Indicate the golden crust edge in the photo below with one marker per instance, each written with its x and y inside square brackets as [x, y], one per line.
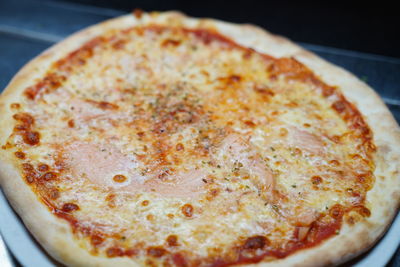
[332, 251]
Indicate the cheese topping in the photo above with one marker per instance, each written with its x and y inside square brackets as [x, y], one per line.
[175, 145]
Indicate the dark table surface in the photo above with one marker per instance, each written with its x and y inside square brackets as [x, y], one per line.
[27, 27]
[355, 25]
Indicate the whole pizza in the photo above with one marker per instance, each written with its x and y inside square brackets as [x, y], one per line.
[155, 139]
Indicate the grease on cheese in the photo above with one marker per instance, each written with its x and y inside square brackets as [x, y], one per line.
[217, 145]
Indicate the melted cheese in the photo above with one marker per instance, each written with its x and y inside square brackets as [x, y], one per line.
[208, 140]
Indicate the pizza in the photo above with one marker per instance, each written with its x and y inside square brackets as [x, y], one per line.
[155, 139]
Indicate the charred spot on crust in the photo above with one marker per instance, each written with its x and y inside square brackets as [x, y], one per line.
[96, 240]
[172, 241]
[30, 177]
[29, 172]
[250, 123]
[187, 210]
[316, 180]
[68, 207]
[103, 104]
[20, 128]
[179, 147]
[15, 106]
[339, 106]
[25, 118]
[119, 178]
[255, 242]
[264, 90]
[170, 42]
[48, 176]
[50, 82]
[31, 138]
[54, 193]
[336, 211]
[20, 154]
[27, 167]
[362, 210]
[24, 129]
[114, 252]
[43, 167]
[119, 44]
[71, 123]
[156, 252]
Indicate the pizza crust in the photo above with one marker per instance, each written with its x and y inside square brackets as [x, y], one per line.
[54, 234]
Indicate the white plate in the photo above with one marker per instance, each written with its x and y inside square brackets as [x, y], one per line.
[29, 253]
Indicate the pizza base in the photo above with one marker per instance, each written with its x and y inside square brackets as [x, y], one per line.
[54, 233]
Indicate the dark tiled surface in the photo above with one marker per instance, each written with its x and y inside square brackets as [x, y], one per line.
[51, 18]
[395, 262]
[354, 25]
[15, 51]
[26, 29]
